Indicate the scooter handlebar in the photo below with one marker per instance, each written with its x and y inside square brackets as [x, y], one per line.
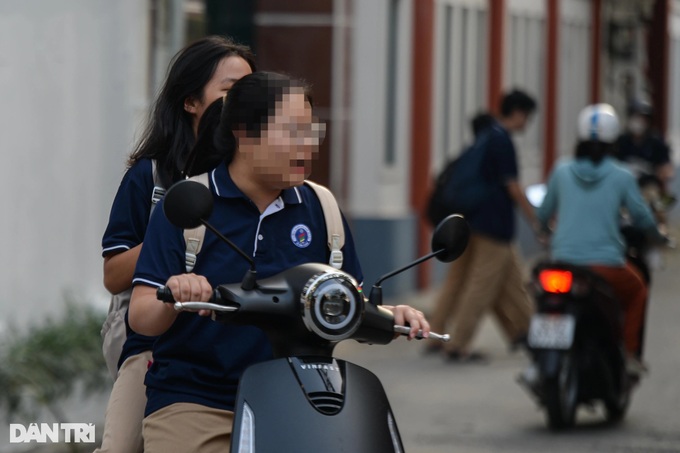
[165, 294]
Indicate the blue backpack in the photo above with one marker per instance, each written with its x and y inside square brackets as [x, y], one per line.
[461, 187]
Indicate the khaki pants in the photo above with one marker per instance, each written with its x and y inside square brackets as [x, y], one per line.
[188, 428]
[125, 410]
[487, 276]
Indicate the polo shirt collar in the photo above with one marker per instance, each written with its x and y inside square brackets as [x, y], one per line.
[226, 188]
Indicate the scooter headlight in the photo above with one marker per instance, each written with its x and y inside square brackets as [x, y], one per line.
[332, 305]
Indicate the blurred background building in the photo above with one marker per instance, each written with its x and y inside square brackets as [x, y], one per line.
[396, 80]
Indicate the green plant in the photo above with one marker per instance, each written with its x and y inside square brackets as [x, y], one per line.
[43, 366]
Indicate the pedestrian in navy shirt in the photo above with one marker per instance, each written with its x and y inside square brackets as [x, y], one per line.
[488, 275]
[198, 75]
[270, 137]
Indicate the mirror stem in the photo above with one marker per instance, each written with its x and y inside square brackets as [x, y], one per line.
[249, 280]
[409, 266]
[231, 244]
[375, 297]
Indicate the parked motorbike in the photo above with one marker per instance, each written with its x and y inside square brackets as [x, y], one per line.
[305, 399]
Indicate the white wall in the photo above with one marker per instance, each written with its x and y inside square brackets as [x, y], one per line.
[525, 63]
[460, 75]
[673, 134]
[378, 189]
[73, 84]
[573, 70]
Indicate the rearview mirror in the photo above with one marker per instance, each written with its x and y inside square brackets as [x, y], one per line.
[450, 238]
[187, 204]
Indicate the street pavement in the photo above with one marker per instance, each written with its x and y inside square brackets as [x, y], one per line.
[479, 408]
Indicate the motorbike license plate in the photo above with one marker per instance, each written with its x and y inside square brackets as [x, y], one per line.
[551, 331]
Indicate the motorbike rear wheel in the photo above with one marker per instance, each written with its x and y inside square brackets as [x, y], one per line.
[561, 394]
[617, 406]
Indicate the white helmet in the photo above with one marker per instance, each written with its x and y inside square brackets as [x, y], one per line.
[598, 122]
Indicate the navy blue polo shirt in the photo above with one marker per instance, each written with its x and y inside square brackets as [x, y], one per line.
[126, 229]
[198, 360]
[495, 217]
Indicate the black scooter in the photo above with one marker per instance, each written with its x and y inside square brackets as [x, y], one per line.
[305, 399]
[576, 343]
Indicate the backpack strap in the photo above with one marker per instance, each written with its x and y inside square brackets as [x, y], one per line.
[158, 189]
[194, 237]
[336, 231]
[334, 226]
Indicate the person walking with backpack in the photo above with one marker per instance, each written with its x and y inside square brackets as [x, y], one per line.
[488, 275]
[199, 74]
[269, 136]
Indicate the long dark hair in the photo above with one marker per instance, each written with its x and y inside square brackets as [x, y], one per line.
[248, 105]
[169, 135]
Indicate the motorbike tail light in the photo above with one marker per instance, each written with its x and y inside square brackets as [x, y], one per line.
[556, 281]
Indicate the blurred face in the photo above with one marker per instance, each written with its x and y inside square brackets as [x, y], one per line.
[282, 156]
[637, 124]
[519, 119]
[228, 71]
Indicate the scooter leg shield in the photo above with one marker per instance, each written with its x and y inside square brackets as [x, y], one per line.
[287, 405]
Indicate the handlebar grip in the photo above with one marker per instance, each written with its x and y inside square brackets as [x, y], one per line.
[164, 294]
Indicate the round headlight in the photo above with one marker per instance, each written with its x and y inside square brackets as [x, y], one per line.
[332, 305]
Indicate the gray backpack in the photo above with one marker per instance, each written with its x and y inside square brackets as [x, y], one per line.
[114, 332]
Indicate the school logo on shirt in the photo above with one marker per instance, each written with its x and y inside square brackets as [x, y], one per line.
[301, 236]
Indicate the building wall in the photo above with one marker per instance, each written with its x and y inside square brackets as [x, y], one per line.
[460, 73]
[74, 86]
[296, 38]
[573, 70]
[623, 54]
[673, 133]
[525, 63]
[461, 53]
[379, 136]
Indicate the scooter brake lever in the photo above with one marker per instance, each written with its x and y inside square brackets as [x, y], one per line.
[181, 306]
[404, 330]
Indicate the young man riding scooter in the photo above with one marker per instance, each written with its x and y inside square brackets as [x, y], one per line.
[586, 197]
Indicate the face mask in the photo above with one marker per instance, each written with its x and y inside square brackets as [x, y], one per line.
[637, 125]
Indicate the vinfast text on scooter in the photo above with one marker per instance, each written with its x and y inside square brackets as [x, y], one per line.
[305, 399]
